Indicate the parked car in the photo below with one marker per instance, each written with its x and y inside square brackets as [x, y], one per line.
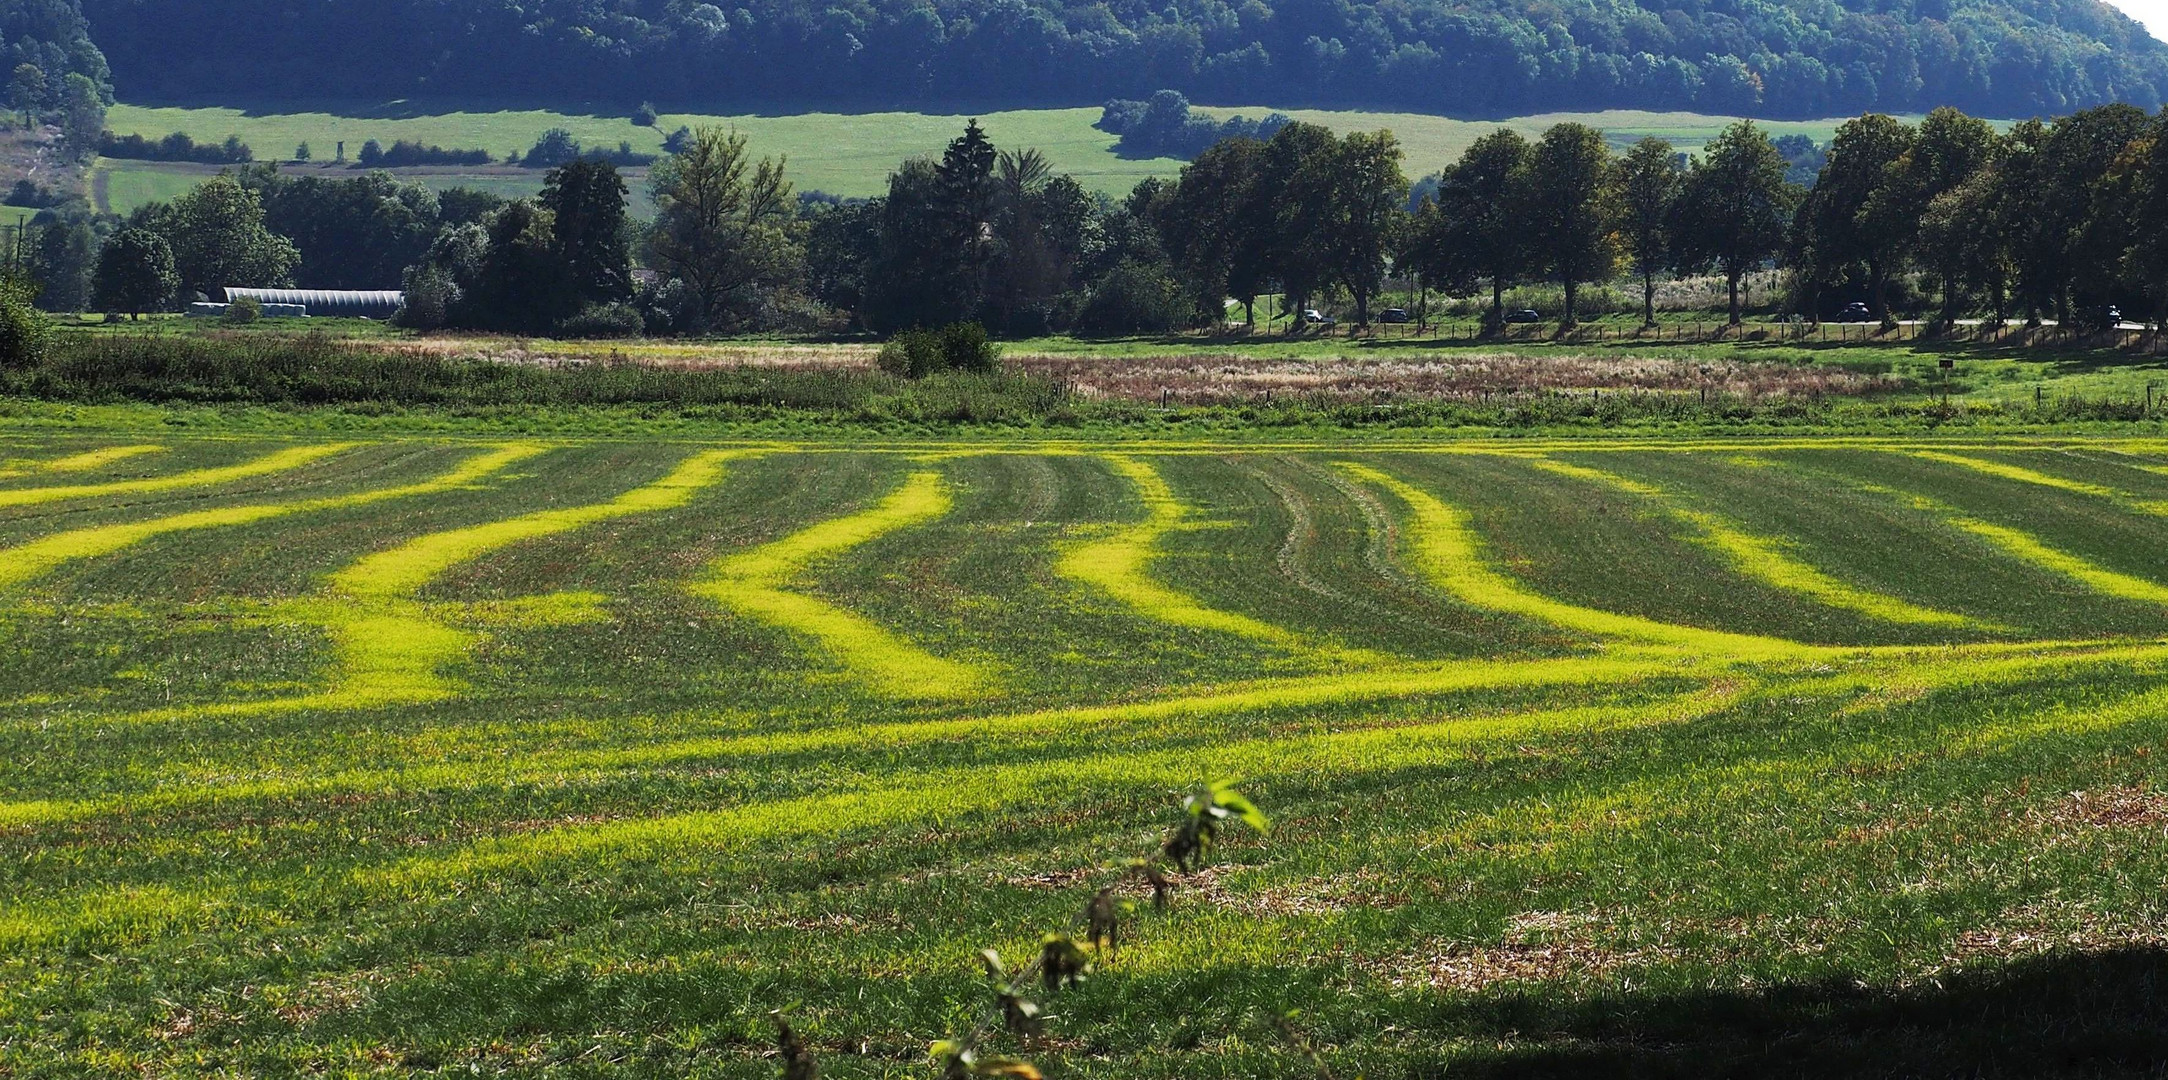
[1316, 318]
[1394, 315]
[1524, 315]
[2115, 316]
[1855, 312]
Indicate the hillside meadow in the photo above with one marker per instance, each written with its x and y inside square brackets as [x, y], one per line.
[578, 756]
[848, 155]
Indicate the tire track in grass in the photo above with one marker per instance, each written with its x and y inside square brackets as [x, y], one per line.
[1445, 547]
[2154, 507]
[1118, 566]
[25, 561]
[276, 462]
[390, 646]
[83, 462]
[1765, 559]
[757, 583]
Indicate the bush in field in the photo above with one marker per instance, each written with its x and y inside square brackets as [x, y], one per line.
[915, 354]
[23, 329]
[616, 320]
[243, 311]
[644, 116]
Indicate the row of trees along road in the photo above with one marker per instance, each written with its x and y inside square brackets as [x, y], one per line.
[2067, 218]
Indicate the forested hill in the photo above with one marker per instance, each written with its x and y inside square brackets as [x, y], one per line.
[1775, 58]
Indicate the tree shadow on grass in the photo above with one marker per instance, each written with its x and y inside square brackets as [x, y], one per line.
[2063, 1015]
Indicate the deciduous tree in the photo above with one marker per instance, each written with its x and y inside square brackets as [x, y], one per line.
[1734, 206]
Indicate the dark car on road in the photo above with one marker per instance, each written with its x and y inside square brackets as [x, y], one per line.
[1394, 315]
[1855, 312]
[1524, 315]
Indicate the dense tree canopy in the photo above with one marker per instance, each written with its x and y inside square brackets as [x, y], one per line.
[2006, 58]
[51, 38]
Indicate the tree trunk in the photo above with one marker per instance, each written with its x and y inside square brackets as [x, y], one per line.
[1875, 284]
[1648, 299]
[1497, 302]
[1731, 283]
[1566, 323]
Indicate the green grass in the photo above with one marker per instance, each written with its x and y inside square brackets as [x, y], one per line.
[843, 154]
[577, 755]
[120, 187]
[849, 155]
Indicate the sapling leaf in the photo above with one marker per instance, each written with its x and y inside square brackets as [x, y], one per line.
[1103, 921]
[1062, 961]
[798, 1063]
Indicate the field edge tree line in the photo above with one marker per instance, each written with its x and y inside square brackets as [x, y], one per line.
[2064, 220]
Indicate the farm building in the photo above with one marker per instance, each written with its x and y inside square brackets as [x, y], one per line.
[327, 303]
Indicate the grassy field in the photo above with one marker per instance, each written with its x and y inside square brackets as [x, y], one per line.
[848, 155]
[576, 757]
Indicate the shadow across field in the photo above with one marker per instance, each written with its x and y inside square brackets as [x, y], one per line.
[2062, 1015]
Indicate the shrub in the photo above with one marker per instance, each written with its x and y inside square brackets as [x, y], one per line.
[964, 348]
[243, 311]
[915, 354]
[605, 321]
[644, 116]
[24, 332]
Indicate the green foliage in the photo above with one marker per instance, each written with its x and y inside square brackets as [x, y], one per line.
[24, 331]
[1135, 298]
[1568, 210]
[2005, 57]
[1648, 180]
[724, 227]
[243, 311]
[135, 273]
[218, 239]
[1734, 207]
[586, 202]
[960, 347]
[1208, 810]
[614, 320]
[63, 263]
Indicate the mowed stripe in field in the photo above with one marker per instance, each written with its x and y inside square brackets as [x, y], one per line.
[25, 561]
[1119, 565]
[84, 462]
[390, 647]
[1765, 558]
[275, 462]
[952, 798]
[2006, 471]
[757, 583]
[1445, 547]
